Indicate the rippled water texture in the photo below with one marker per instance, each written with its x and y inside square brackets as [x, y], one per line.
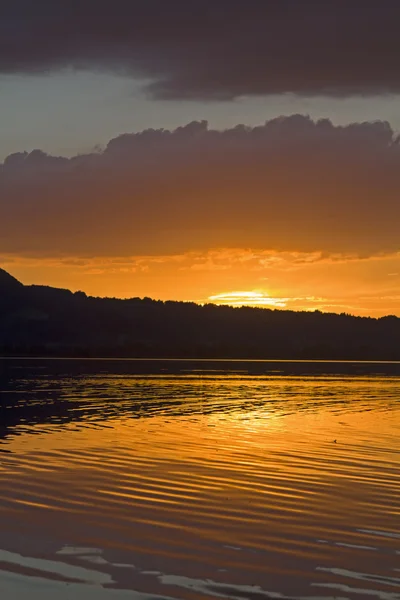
[199, 480]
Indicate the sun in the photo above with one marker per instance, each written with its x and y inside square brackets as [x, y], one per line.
[252, 298]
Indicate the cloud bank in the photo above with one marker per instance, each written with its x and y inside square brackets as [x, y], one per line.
[209, 49]
[291, 184]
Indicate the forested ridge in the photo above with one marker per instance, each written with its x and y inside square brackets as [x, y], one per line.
[43, 321]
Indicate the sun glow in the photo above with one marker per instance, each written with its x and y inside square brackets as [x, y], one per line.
[254, 298]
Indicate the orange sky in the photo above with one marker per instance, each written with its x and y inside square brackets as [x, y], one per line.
[288, 280]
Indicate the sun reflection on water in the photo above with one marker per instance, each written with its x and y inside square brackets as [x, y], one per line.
[282, 483]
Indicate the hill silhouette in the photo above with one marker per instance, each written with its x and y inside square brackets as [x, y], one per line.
[8, 282]
[44, 321]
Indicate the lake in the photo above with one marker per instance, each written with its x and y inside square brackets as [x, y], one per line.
[199, 480]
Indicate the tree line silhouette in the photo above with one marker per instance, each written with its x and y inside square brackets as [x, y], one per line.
[45, 321]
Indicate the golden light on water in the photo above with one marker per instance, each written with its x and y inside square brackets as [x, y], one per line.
[186, 478]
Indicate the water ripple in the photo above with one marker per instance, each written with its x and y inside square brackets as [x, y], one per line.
[200, 486]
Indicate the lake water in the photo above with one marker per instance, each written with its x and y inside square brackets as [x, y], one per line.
[199, 480]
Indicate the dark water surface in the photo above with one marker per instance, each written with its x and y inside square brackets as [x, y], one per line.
[199, 480]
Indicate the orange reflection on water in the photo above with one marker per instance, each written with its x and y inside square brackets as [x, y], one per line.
[264, 478]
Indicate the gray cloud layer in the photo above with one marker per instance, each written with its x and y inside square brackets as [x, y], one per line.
[212, 48]
[291, 184]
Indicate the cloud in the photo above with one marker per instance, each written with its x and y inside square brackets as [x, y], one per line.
[291, 184]
[209, 49]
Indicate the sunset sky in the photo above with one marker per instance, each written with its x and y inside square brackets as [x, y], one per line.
[209, 150]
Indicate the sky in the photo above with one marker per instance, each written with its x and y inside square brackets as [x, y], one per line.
[234, 152]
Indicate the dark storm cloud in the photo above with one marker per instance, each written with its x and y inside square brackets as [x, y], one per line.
[215, 49]
[291, 184]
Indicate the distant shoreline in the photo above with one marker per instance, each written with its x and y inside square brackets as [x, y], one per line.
[169, 359]
[40, 321]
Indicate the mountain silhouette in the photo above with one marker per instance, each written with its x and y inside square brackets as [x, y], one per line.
[44, 321]
[8, 282]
